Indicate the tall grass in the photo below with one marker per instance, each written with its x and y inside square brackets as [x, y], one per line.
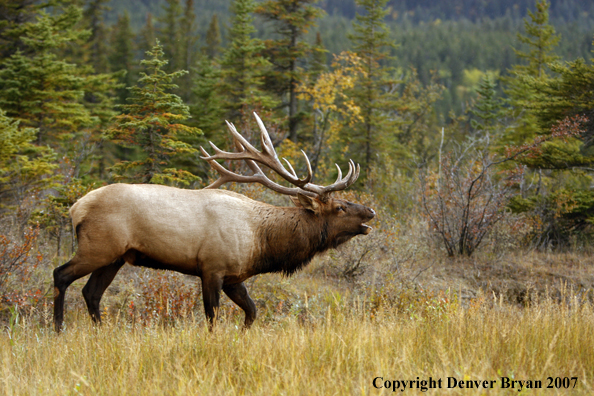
[338, 353]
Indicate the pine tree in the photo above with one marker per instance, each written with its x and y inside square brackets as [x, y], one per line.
[213, 38]
[242, 68]
[567, 93]
[319, 58]
[93, 19]
[207, 107]
[23, 165]
[292, 19]
[121, 57]
[147, 37]
[170, 35]
[42, 91]
[14, 16]
[545, 93]
[488, 110]
[152, 122]
[371, 42]
[189, 50]
[540, 39]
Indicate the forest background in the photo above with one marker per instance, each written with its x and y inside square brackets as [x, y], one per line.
[462, 115]
[473, 124]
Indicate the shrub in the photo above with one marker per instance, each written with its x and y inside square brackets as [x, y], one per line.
[18, 259]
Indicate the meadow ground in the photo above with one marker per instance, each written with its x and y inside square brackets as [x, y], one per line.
[318, 334]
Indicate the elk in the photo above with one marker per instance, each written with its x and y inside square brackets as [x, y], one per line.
[221, 236]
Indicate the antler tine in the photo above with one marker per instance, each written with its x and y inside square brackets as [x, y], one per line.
[309, 176]
[267, 145]
[237, 137]
[339, 178]
[340, 183]
[309, 170]
[290, 167]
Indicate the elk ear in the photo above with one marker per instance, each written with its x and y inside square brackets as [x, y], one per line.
[306, 202]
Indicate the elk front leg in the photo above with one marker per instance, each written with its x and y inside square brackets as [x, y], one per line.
[239, 295]
[211, 292]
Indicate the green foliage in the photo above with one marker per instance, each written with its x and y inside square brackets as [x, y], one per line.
[567, 93]
[177, 33]
[291, 19]
[24, 167]
[41, 90]
[189, 48]
[14, 14]
[242, 67]
[121, 57]
[213, 38]
[540, 38]
[559, 206]
[96, 45]
[152, 122]
[146, 37]
[207, 105]
[560, 219]
[170, 35]
[54, 215]
[371, 42]
[488, 109]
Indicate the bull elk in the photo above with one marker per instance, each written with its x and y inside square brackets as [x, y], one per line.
[221, 236]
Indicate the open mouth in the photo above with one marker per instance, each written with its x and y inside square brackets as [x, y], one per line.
[365, 229]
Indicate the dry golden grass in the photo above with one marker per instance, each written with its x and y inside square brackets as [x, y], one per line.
[339, 353]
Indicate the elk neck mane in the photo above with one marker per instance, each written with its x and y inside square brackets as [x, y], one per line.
[289, 239]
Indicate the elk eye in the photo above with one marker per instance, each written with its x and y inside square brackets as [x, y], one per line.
[340, 209]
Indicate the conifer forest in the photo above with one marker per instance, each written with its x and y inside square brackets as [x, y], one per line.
[472, 123]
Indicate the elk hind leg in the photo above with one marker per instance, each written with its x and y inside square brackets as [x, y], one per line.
[64, 275]
[99, 281]
[239, 295]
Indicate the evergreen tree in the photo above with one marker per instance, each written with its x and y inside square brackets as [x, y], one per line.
[242, 68]
[213, 38]
[170, 35]
[207, 107]
[292, 19]
[371, 42]
[488, 109]
[567, 93]
[147, 37]
[540, 39]
[561, 198]
[189, 40]
[23, 165]
[44, 92]
[152, 122]
[93, 19]
[14, 16]
[319, 58]
[121, 57]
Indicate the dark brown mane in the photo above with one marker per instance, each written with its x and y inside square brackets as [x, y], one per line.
[290, 238]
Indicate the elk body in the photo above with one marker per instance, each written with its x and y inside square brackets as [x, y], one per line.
[220, 236]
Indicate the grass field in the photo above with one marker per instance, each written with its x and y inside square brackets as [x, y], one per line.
[338, 349]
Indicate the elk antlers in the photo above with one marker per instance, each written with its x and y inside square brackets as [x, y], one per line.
[268, 158]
